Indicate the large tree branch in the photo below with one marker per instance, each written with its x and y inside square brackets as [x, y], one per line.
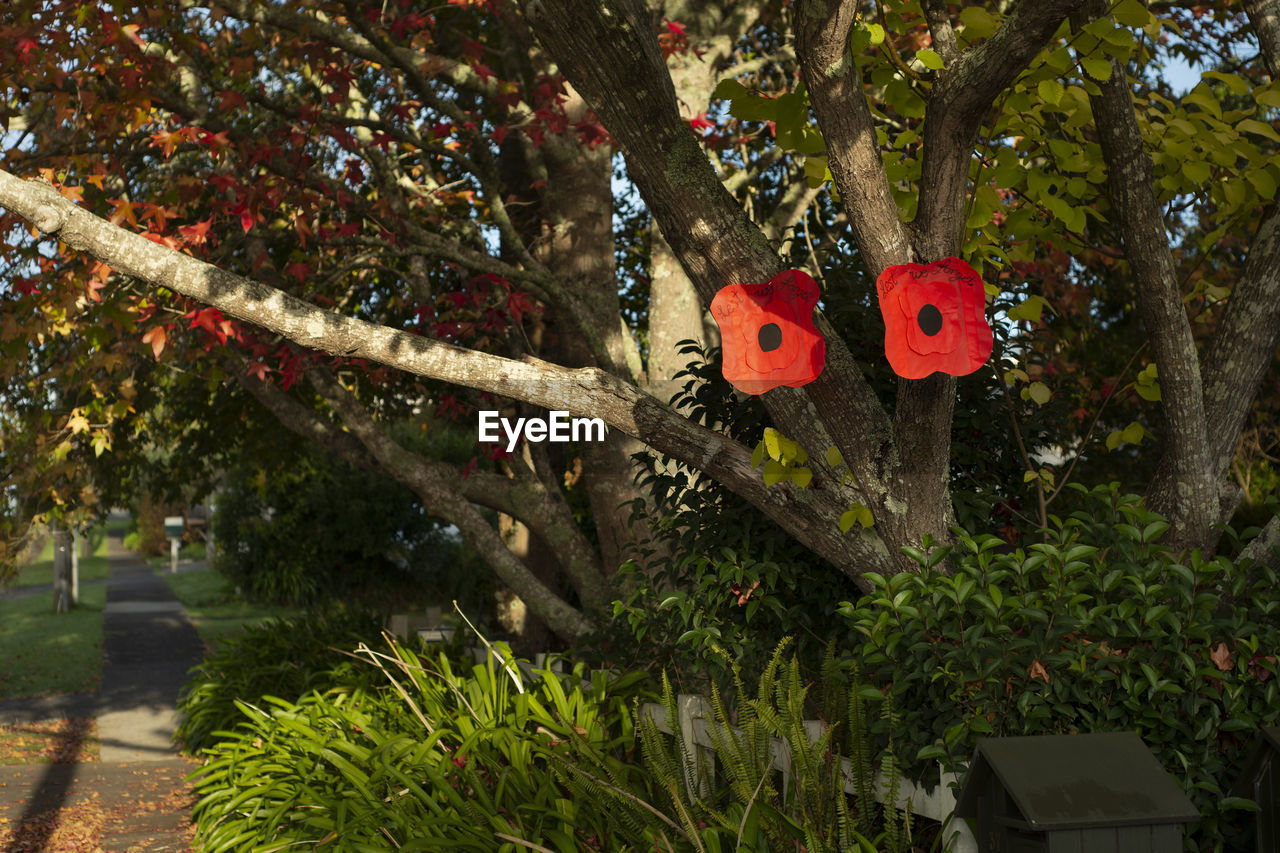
[1243, 347]
[1183, 489]
[610, 54]
[302, 421]
[960, 100]
[853, 154]
[440, 499]
[545, 513]
[586, 391]
[1265, 547]
[1265, 17]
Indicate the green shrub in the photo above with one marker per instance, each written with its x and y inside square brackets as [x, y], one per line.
[285, 658]
[434, 758]
[314, 529]
[725, 578]
[1096, 628]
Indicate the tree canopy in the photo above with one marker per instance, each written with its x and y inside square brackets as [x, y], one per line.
[373, 220]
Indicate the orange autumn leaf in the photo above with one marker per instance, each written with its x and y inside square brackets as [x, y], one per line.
[1221, 657]
[1037, 670]
[157, 337]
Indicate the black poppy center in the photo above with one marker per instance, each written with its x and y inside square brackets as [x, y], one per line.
[769, 337]
[930, 320]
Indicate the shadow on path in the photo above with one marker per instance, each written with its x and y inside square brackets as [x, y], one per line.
[148, 647]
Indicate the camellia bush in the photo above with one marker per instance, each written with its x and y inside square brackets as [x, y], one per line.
[316, 528]
[1095, 628]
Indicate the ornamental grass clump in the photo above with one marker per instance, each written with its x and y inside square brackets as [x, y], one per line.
[286, 658]
[433, 755]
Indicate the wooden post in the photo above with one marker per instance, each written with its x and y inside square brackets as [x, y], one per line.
[76, 542]
[700, 764]
[62, 552]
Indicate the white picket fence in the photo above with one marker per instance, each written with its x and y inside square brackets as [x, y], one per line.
[696, 722]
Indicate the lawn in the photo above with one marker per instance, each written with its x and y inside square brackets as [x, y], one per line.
[91, 568]
[44, 652]
[214, 607]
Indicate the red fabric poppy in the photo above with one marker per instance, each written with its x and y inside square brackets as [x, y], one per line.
[935, 318]
[767, 333]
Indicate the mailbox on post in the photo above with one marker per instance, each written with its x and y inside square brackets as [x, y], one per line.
[1090, 793]
[173, 526]
[1260, 782]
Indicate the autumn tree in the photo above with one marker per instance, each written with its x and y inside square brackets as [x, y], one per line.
[369, 217]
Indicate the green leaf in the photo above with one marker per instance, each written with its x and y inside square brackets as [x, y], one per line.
[877, 34]
[1133, 433]
[1059, 60]
[1029, 475]
[816, 171]
[1028, 309]
[1051, 91]
[1147, 384]
[1263, 183]
[1237, 84]
[978, 23]
[1040, 393]
[856, 514]
[1260, 128]
[1267, 96]
[729, 88]
[773, 443]
[1154, 531]
[930, 59]
[834, 458]
[1097, 69]
[749, 107]
[1131, 13]
[1113, 439]
[774, 472]
[1197, 171]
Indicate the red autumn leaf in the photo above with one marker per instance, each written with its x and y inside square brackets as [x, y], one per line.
[354, 173]
[1221, 657]
[700, 122]
[157, 336]
[299, 270]
[520, 303]
[212, 321]
[934, 318]
[25, 46]
[449, 407]
[198, 234]
[258, 370]
[768, 333]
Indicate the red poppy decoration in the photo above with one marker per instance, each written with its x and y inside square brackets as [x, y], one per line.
[935, 318]
[768, 334]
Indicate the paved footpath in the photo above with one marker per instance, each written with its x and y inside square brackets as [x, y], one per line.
[148, 646]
